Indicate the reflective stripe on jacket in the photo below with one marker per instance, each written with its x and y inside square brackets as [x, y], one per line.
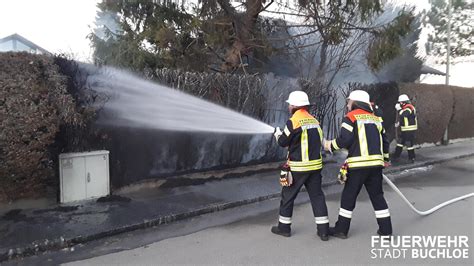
[363, 135]
[408, 121]
[303, 137]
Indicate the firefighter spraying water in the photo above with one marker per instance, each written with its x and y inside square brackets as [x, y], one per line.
[303, 136]
[362, 134]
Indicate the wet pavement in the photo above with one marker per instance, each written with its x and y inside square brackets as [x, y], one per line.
[28, 231]
[248, 241]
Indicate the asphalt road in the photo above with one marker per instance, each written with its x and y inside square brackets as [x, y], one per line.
[242, 235]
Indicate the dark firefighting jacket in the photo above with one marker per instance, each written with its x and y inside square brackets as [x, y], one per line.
[407, 118]
[363, 135]
[377, 111]
[303, 137]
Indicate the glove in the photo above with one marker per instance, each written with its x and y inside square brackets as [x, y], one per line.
[398, 107]
[277, 133]
[342, 176]
[327, 145]
[286, 179]
[397, 124]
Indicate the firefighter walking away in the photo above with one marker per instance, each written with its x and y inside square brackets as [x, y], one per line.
[408, 124]
[363, 135]
[303, 137]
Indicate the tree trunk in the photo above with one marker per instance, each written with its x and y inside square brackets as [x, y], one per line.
[244, 25]
[322, 63]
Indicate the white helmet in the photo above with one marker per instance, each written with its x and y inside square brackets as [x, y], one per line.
[360, 96]
[403, 98]
[298, 98]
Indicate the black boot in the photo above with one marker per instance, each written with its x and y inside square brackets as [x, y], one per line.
[380, 233]
[411, 155]
[282, 230]
[323, 231]
[324, 237]
[396, 155]
[333, 232]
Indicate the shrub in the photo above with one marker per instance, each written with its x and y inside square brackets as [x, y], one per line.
[462, 121]
[33, 104]
[434, 106]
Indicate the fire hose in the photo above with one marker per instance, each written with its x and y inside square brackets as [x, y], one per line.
[427, 212]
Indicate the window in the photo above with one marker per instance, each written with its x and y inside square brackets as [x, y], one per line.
[6, 46]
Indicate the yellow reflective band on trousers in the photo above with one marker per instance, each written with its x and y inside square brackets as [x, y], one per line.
[304, 146]
[364, 149]
[306, 166]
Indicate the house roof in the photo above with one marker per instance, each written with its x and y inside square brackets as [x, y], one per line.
[429, 70]
[25, 41]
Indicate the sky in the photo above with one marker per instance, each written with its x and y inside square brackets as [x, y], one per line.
[59, 26]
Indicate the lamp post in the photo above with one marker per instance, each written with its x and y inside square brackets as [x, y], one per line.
[445, 136]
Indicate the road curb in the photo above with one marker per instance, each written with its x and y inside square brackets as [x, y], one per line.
[61, 243]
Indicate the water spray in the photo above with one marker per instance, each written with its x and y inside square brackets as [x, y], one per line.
[138, 103]
[427, 212]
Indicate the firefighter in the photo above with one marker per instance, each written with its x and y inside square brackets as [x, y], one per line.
[303, 137]
[408, 124]
[362, 134]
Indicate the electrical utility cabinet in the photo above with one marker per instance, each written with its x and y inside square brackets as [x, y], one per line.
[84, 175]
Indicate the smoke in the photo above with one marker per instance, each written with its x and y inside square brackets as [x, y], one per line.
[304, 59]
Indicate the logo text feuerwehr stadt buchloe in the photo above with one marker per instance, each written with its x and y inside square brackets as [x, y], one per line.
[419, 247]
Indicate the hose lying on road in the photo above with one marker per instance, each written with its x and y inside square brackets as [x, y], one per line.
[427, 212]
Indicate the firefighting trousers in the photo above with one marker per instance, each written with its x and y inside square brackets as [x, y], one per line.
[312, 182]
[371, 178]
[407, 140]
